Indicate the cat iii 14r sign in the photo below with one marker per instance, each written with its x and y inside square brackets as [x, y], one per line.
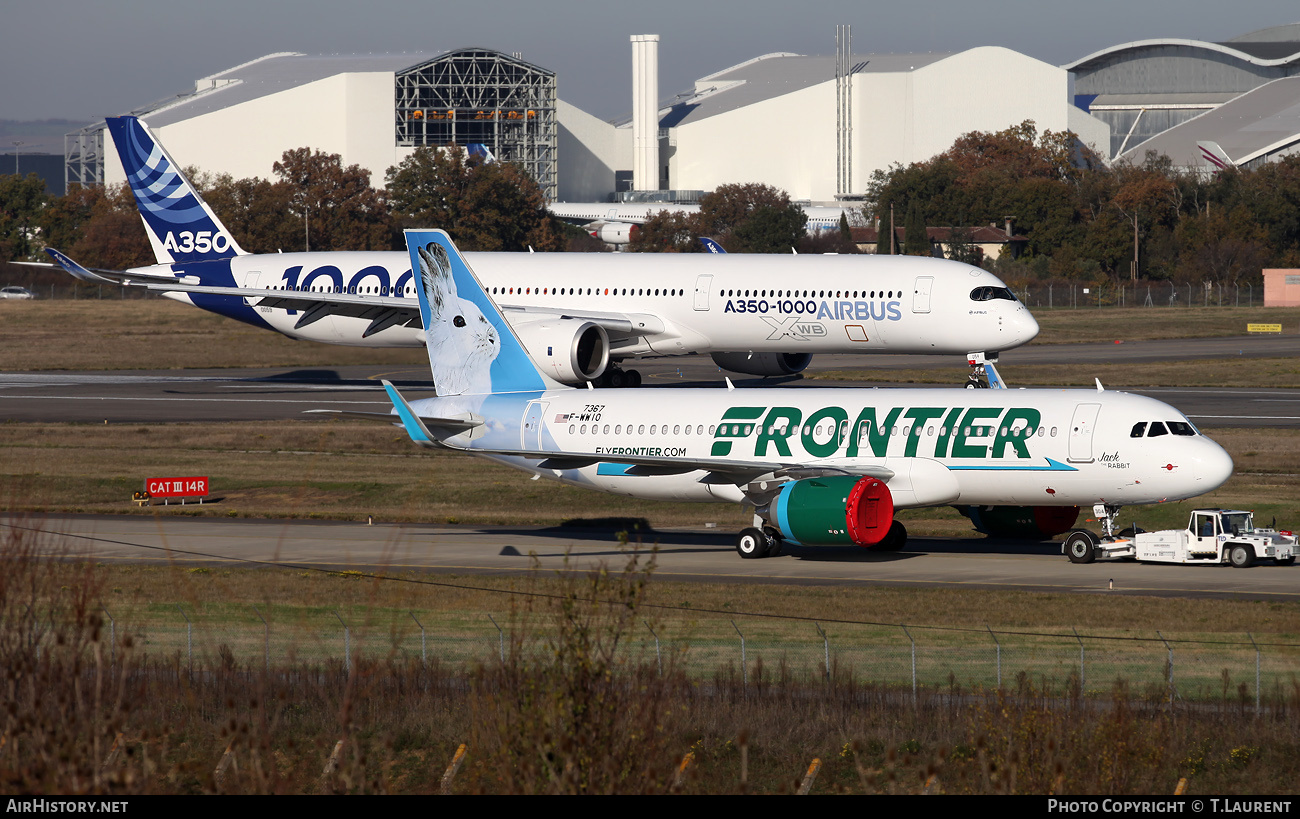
[195, 487]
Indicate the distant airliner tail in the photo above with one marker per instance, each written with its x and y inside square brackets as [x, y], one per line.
[480, 150]
[472, 349]
[181, 226]
[1214, 155]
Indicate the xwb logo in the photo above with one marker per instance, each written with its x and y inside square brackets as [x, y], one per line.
[795, 328]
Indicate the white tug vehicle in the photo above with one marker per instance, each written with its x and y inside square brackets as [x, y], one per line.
[1213, 536]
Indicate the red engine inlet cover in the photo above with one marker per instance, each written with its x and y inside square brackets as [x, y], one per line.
[870, 511]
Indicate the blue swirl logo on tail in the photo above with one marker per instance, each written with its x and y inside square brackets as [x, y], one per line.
[181, 226]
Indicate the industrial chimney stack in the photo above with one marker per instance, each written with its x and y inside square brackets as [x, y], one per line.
[645, 112]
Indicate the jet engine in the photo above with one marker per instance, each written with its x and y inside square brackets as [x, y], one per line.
[571, 351]
[1029, 522]
[614, 233]
[837, 509]
[763, 363]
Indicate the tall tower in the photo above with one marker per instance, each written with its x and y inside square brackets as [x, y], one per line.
[645, 112]
[843, 111]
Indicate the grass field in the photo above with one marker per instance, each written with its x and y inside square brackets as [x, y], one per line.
[163, 334]
[347, 470]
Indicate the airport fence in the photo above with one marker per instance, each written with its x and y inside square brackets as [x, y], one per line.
[756, 651]
[1067, 295]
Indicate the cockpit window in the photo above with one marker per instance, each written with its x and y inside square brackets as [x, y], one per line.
[1157, 429]
[1180, 428]
[988, 293]
[1139, 429]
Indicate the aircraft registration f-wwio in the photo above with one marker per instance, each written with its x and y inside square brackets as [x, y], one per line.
[821, 466]
[579, 314]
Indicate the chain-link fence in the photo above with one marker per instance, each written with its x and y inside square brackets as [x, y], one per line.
[922, 658]
[1068, 295]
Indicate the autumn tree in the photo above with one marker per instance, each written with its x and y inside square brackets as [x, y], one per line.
[21, 201]
[338, 208]
[113, 237]
[64, 217]
[257, 212]
[668, 231]
[916, 239]
[482, 205]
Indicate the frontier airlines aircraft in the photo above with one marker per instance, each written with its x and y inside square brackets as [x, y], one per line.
[820, 466]
[580, 315]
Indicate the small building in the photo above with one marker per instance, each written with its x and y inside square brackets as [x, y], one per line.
[1282, 288]
[988, 241]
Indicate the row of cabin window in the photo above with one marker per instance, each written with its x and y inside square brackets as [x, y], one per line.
[590, 291]
[741, 430]
[810, 294]
[1159, 428]
[378, 291]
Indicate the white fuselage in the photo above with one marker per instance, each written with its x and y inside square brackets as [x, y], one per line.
[944, 446]
[820, 219]
[678, 303]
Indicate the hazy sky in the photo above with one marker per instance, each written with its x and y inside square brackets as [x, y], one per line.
[84, 59]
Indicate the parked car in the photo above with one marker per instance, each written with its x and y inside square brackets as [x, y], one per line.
[15, 293]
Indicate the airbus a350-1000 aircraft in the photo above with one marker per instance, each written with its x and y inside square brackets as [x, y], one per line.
[820, 466]
[579, 314]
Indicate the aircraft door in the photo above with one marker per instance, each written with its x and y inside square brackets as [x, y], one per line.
[1081, 427]
[250, 281]
[921, 294]
[703, 284]
[530, 436]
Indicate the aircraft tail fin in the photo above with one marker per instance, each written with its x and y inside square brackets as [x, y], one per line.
[1212, 154]
[472, 348]
[711, 246]
[181, 226]
[480, 150]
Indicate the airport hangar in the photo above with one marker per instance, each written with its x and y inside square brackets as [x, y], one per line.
[1166, 95]
[775, 119]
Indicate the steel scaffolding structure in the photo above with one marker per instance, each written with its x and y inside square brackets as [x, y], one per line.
[477, 95]
[83, 157]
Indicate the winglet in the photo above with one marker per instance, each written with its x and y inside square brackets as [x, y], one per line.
[75, 269]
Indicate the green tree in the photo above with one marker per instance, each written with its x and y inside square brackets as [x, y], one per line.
[916, 240]
[64, 217]
[258, 213]
[339, 209]
[113, 237]
[668, 231]
[483, 206]
[21, 201]
[770, 229]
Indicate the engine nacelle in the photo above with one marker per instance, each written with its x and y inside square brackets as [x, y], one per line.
[1030, 522]
[839, 509]
[571, 351]
[614, 233]
[763, 363]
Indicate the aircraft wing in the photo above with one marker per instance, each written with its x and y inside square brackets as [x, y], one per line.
[617, 324]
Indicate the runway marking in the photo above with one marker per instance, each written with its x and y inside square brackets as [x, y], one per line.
[1252, 417]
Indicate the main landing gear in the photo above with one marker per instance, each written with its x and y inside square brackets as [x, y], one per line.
[755, 541]
[615, 376]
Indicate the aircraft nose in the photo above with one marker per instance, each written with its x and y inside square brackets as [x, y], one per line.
[1023, 326]
[1213, 466]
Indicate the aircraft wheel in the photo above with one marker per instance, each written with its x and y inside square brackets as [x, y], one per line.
[634, 378]
[752, 543]
[1242, 556]
[617, 378]
[1081, 546]
[895, 540]
[773, 543]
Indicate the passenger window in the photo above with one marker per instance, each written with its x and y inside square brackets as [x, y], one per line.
[618, 429]
[1157, 429]
[607, 429]
[712, 428]
[572, 428]
[1139, 429]
[640, 430]
[700, 430]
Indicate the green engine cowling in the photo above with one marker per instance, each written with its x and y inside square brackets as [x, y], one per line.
[840, 509]
[1032, 522]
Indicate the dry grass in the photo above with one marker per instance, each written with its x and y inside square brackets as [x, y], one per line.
[163, 334]
[1064, 326]
[159, 334]
[347, 470]
[563, 714]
